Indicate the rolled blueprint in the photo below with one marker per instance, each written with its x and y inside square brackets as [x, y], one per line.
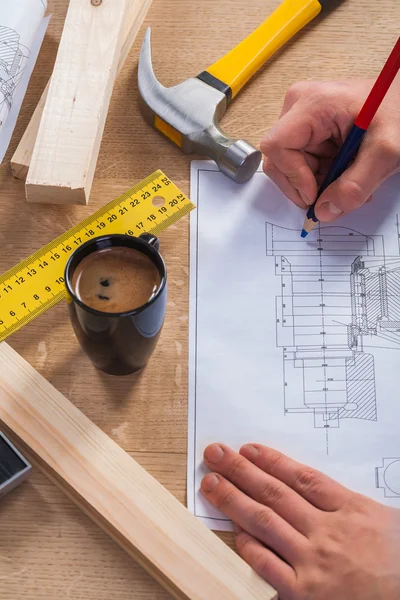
[22, 28]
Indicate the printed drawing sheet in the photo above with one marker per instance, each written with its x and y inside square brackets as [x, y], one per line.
[294, 343]
[22, 29]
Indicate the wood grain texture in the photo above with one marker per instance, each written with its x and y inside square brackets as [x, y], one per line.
[75, 111]
[48, 548]
[21, 159]
[152, 526]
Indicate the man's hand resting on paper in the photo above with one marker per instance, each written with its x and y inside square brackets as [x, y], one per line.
[308, 536]
[315, 119]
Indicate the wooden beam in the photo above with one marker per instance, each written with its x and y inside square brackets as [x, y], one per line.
[22, 156]
[21, 159]
[69, 137]
[148, 522]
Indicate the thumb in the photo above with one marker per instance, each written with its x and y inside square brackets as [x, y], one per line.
[374, 163]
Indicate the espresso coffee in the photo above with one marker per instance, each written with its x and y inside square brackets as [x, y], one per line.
[116, 279]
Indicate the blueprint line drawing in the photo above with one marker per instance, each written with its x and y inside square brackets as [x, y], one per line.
[13, 59]
[388, 477]
[340, 299]
[22, 30]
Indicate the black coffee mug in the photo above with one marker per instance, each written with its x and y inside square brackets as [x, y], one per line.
[118, 343]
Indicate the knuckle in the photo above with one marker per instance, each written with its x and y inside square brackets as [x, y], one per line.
[297, 89]
[354, 195]
[269, 143]
[236, 468]
[275, 462]
[271, 494]
[268, 166]
[310, 586]
[391, 151]
[243, 541]
[260, 565]
[226, 498]
[262, 519]
[325, 113]
[307, 480]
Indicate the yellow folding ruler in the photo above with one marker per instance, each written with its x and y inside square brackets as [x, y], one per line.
[37, 283]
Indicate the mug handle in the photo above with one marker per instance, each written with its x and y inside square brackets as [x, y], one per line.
[150, 239]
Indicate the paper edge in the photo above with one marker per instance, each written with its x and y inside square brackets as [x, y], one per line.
[211, 523]
[11, 121]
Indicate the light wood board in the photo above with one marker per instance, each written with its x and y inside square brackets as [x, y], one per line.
[65, 154]
[152, 526]
[21, 159]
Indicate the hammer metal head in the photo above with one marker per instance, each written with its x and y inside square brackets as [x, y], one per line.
[188, 114]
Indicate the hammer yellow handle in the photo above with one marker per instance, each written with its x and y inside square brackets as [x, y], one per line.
[242, 62]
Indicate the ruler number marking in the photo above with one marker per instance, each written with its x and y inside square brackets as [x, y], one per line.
[175, 201]
[26, 292]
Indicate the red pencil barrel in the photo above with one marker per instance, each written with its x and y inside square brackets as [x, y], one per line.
[380, 88]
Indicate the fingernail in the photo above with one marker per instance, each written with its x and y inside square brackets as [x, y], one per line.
[214, 453]
[332, 208]
[237, 529]
[305, 198]
[210, 482]
[251, 452]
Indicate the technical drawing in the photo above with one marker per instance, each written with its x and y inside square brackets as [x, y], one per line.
[340, 294]
[13, 59]
[388, 477]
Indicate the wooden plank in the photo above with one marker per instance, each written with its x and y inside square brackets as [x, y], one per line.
[22, 156]
[21, 159]
[146, 520]
[69, 137]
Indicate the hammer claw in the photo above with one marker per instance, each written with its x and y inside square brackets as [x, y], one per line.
[188, 114]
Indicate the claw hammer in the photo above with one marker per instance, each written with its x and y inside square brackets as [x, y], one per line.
[188, 114]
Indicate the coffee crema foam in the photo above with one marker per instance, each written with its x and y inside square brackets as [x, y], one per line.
[116, 279]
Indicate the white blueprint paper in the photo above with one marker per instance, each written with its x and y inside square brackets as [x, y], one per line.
[22, 28]
[294, 343]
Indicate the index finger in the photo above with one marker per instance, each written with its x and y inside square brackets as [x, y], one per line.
[261, 486]
[285, 143]
[319, 489]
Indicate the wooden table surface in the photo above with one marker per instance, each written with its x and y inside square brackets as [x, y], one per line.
[48, 548]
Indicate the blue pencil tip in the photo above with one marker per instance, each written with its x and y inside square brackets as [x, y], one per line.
[304, 233]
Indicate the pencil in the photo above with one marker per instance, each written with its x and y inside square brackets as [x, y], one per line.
[353, 140]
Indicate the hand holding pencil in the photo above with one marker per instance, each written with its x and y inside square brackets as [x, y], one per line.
[316, 119]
